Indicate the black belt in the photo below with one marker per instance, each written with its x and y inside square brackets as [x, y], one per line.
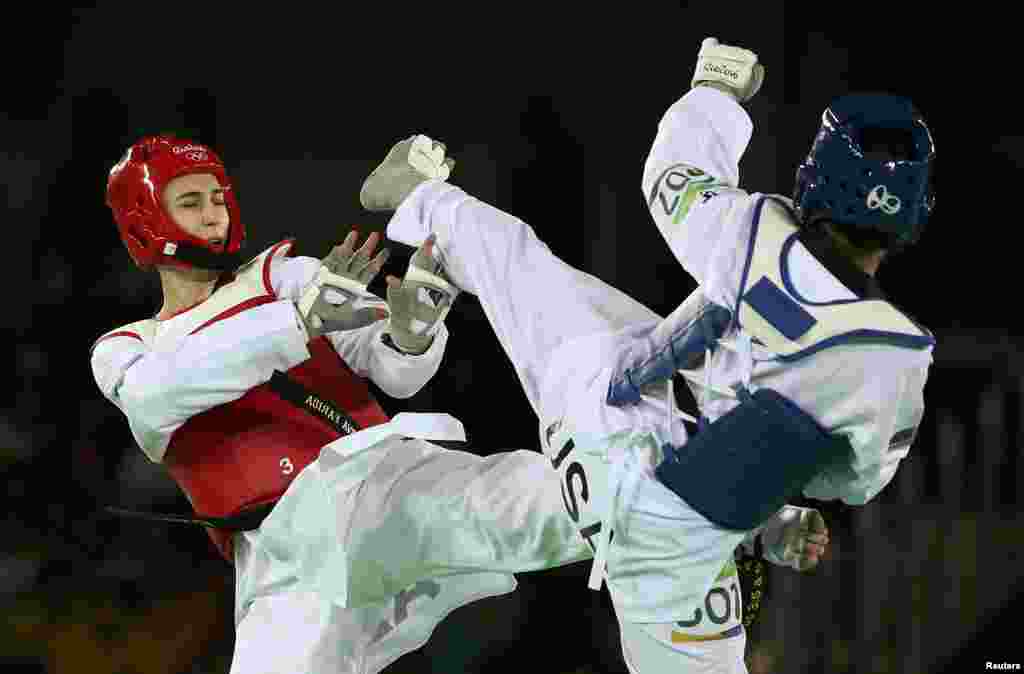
[297, 394]
[246, 520]
[249, 519]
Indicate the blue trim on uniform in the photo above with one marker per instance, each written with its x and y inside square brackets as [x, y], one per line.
[865, 336]
[784, 268]
[783, 312]
[788, 281]
[862, 337]
[868, 336]
[754, 224]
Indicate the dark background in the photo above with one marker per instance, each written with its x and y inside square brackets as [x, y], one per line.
[550, 113]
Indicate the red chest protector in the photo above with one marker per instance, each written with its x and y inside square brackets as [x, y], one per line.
[245, 453]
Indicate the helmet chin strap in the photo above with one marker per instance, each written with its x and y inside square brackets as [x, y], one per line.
[204, 258]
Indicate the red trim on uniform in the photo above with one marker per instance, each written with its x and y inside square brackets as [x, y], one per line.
[238, 308]
[228, 277]
[119, 333]
[268, 260]
[253, 301]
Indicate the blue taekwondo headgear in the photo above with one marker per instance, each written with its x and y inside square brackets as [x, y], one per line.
[838, 182]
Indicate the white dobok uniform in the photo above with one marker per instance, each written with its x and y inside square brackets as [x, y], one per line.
[859, 370]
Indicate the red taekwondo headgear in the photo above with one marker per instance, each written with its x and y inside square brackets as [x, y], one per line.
[134, 192]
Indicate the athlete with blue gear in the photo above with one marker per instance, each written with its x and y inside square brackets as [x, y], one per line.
[806, 380]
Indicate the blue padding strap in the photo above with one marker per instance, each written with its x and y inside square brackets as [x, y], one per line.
[783, 312]
[742, 468]
[684, 350]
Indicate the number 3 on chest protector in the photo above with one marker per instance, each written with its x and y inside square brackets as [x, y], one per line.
[287, 468]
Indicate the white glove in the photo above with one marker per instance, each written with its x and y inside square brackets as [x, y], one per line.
[408, 164]
[733, 70]
[420, 302]
[337, 297]
[794, 537]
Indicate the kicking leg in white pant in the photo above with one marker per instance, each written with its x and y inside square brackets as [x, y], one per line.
[565, 332]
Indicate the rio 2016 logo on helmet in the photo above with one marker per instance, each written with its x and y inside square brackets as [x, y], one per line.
[134, 191]
[840, 182]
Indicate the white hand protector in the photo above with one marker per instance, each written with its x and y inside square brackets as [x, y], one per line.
[420, 302]
[408, 164]
[794, 537]
[728, 68]
[337, 298]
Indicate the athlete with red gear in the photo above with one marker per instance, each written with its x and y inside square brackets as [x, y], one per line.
[249, 387]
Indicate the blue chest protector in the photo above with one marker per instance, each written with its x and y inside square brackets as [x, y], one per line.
[743, 467]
